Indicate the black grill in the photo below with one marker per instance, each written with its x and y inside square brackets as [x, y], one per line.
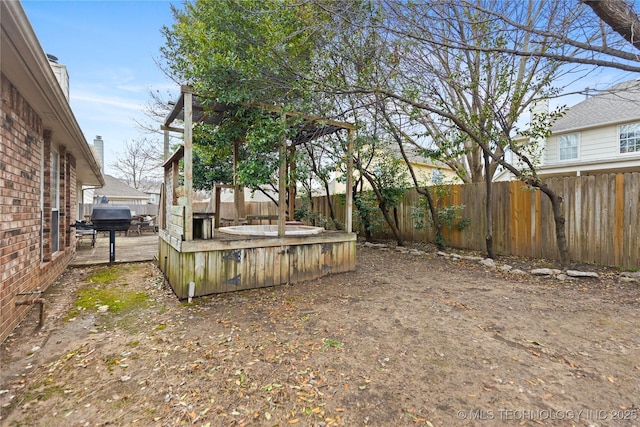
[111, 218]
[108, 218]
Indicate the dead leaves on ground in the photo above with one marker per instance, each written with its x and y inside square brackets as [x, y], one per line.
[264, 375]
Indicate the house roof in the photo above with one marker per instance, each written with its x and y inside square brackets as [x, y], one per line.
[116, 188]
[415, 156]
[617, 104]
[26, 66]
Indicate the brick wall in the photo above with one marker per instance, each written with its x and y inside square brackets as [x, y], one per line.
[26, 261]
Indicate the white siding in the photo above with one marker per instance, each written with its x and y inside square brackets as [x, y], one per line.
[596, 145]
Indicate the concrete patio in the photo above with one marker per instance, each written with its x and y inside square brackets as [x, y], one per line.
[132, 248]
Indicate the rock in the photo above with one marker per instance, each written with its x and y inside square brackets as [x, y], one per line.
[576, 273]
[444, 254]
[401, 249]
[629, 279]
[517, 271]
[103, 308]
[545, 271]
[125, 378]
[506, 267]
[631, 274]
[472, 258]
[374, 245]
[456, 256]
[415, 252]
[562, 277]
[488, 262]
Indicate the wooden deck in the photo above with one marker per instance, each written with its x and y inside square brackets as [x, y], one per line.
[229, 263]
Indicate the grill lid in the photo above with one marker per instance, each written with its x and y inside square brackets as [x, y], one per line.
[107, 218]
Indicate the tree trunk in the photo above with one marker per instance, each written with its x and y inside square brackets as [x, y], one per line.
[434, 216]
[332, 213]
[559, 221]
[395, 217]
[488, 207]
[620, 16]
[390, 222]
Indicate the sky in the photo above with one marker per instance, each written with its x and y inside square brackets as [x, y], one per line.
[110, 49]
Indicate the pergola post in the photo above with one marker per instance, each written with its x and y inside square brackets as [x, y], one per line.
[282, 185]
[188, 162]
[166, 144]
[349, 199]
[237, 199]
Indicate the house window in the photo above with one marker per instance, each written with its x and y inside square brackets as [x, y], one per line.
[437, 177]
[630, 138]
[569, 146]
[55, 202]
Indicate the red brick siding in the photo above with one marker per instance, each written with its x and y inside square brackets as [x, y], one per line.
[24, 267]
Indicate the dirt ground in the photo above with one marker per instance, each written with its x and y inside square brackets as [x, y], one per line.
[404, 340]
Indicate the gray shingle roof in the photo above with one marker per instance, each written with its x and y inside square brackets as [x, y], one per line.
[619, 103]
[117, 188]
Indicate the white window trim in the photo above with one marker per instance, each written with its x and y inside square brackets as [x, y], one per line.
[560, 160]
[631, 153]
[55, 201]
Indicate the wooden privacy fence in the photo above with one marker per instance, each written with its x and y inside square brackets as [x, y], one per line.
[602, 215]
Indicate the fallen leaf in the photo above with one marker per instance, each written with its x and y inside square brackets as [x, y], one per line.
[294, 421]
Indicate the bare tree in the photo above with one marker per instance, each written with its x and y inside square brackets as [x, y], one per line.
[140, 164]
[620, 16]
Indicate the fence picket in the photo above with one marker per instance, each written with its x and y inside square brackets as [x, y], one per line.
[602, 219]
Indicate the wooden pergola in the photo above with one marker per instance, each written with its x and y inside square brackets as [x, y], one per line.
[191, 111]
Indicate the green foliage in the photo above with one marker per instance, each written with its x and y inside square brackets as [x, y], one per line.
[306, 214]
[368, 215]
[331, 343]
[242, 51]
[390, 177]
[449, 216]
[208, 169]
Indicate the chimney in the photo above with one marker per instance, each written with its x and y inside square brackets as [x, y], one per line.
[98, 145]
[540, 106]
[61, 74]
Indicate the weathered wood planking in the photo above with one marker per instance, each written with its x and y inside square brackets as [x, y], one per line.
[601, 219]
[217, 266]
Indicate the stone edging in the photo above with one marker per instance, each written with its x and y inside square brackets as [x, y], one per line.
[629, 277]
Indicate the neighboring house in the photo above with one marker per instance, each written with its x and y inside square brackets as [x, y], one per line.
[596, 136]
[117, 192]
[44, 162]
[154, 194]
[427, 172]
